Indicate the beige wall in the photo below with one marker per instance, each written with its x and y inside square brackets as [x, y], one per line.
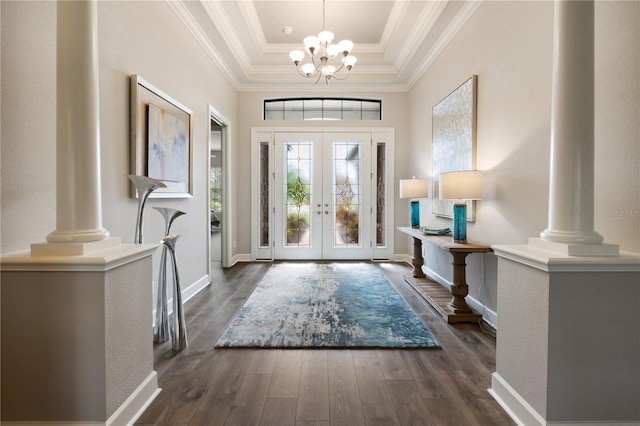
[133, 39]
[509, 46]
[617, 123]
[394, 114]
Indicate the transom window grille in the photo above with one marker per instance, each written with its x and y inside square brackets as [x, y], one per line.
[292, 109]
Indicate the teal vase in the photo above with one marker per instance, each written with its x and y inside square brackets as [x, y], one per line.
[460, 223]
[414, 208]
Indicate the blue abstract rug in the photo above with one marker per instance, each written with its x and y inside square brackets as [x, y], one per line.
[335, 305]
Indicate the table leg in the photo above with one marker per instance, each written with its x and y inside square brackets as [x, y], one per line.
[417, 261]
[459, 289]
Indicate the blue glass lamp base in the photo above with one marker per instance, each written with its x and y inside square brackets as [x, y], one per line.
[460, 223]
[414, 207]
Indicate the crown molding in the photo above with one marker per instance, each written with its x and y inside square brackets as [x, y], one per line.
[342, 87]
[189, 21]
[452, 29]
[425, 23]
[220, 19]
[420, 31]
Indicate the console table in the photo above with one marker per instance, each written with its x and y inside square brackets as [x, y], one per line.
[451, 305]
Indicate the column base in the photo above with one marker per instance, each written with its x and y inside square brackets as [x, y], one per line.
[72, 249]
[568, 249]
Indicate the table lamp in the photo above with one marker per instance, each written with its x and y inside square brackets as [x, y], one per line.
[460, 186]
[414, 189]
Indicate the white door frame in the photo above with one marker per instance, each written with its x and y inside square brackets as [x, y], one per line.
[265, 135]
[226, 185]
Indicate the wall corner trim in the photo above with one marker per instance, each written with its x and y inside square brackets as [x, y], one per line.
[137, 402]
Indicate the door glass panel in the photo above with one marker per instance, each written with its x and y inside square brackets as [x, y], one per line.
[298, 169]
[264, 194]
[347, 193]
[381, 177]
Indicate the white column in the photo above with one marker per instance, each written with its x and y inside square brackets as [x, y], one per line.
[571, 183]
[78, 196]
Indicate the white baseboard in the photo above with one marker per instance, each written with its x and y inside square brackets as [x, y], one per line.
[402, 258]
[488, 315]
[195, 288]
[514, 405]
[137, 402]
[240, 258]
[523, 414]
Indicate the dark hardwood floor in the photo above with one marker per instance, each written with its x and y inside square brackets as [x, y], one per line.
[206, 386]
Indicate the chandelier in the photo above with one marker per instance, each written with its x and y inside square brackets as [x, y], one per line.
[327, 60]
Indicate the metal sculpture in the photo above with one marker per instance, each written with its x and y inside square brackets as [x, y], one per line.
[161, 328]
[144, 187]
[178, 325]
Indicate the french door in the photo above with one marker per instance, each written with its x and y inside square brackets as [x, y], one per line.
[322, 200]
[322, 194]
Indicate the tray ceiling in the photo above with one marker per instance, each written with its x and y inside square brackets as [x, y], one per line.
[395, 40]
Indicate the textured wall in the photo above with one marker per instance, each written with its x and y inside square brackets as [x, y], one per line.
[617, 123]
[53, 346]
[132, 39]
[523, 340]
[28, 123]
[75, 344]
[128, 331]
[509, 46]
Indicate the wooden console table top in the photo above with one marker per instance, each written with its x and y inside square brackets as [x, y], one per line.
[445, 242]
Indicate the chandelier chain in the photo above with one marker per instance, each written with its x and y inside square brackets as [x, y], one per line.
[323, 15]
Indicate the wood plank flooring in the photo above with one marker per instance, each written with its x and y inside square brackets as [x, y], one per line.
[321, 387]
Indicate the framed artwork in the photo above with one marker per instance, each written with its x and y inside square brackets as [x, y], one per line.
[454, 141]
[161, 140]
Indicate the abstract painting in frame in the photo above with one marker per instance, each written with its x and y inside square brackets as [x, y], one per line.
[454, 141]
[161, 140]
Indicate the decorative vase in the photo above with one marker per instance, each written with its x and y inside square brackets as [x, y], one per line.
[144, 187]
[178, 325]
[460, 222]
[414, 208]
[161, 328]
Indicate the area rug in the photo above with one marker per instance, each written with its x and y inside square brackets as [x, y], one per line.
[326, 305]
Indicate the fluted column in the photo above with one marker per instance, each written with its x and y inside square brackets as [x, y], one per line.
[571, 191]
[78, 196]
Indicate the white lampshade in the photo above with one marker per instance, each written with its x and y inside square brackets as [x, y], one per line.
[308, 68]
[414, 188]
[349, 61]
[332, 50]
[462, 185]
[311, 44]
[345, 46]
[325, 37]
[296, 56]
